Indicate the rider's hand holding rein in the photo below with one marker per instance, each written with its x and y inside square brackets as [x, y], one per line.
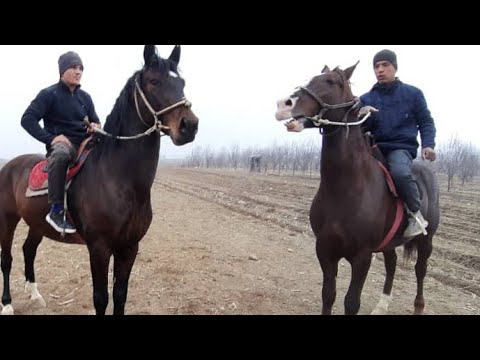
[92, 126]
[365, 110]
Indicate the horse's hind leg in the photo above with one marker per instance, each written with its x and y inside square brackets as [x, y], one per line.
[390, 258]
[29, 253]
[122, 267]
[8, 224]
[424, 250]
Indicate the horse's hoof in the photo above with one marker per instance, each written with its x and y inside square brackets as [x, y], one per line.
[7, 310]
[379, 311]
[38, 301]
[35, 297]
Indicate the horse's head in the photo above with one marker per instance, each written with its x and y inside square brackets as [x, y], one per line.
[160, 87]
[328, 93]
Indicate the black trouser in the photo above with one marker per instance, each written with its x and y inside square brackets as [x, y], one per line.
[60, 157]
[400, 164]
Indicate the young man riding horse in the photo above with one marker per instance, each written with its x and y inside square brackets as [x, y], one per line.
[63, 108]
[398, 112]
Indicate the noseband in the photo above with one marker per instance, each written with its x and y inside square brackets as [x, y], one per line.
[157, 123]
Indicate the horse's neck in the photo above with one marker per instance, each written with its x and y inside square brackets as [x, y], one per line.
[344, 156]
[135, 160]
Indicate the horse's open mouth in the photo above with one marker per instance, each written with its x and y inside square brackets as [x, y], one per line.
[294, 125]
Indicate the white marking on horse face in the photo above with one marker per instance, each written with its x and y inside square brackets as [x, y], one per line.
[284, 108]
[173, 74]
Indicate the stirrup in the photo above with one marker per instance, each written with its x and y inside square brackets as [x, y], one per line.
[417, 220]
[424, 230]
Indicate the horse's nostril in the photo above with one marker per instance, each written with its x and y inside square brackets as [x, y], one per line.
[185, 126]
[289, 103]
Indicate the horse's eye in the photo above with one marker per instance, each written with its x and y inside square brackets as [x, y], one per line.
[154, 82]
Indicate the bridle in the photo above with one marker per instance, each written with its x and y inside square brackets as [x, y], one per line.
[318, 119]
[157, 122]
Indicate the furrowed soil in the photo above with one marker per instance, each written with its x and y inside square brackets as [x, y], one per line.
[232, 242]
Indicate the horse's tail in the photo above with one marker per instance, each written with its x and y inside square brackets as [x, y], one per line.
[409, 251]
[428, 186]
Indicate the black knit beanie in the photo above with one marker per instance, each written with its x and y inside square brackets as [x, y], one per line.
[386, 55]
[68, 60]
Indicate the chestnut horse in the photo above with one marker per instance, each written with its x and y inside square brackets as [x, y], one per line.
[109, 199]
[353, 209]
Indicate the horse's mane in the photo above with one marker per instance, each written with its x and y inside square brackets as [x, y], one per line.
[118, 120]
[120, 109]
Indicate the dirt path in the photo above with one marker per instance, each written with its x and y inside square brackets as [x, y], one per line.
[227, 242]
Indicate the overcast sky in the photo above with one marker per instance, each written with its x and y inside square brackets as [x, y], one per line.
[234, 88]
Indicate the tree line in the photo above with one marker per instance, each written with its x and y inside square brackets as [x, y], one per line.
[458, 157]
[293, 158]
[455, 157]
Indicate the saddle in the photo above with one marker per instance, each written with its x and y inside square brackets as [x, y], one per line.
[38, 179]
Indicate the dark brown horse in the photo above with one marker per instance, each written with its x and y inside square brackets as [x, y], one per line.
[353, 210]
[109, 200]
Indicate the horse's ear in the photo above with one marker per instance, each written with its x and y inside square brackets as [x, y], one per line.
[348, 72]
[175, 55]
[148, 53]
[325, 69]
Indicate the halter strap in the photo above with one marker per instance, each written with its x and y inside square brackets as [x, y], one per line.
[157, 123]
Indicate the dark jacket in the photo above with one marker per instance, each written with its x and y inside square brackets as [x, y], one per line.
[62, 112]
[402, 113]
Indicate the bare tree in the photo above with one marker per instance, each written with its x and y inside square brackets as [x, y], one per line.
[221, 159]
[234, 156]
[307, 157]
[208, 156]
[469, 162]
[449, 154]
[295, 157]
[194, 159]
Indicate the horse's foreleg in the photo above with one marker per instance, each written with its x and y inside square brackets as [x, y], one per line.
[7, 230]
[360, 267]
[329, 287]
[122, 267]
[390, 267]
[7, 308]
[29, 253]
[424, 250]
[99, 259]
